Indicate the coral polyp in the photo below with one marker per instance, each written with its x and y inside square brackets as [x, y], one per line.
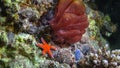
[69, 22]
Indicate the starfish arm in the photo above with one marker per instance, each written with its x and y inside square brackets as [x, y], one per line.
[43, 41]
[53, 47]
[44, 52]
[40, 45]
[50, 54]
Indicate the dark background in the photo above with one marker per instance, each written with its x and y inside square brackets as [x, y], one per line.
[112, 8]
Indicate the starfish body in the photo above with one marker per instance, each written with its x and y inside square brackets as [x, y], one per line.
[46, 48]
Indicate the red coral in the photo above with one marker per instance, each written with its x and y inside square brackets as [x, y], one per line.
[70, 21]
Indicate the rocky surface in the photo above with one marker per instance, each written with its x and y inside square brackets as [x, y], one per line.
[24, 22]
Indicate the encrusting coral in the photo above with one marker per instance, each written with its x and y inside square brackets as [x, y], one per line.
[70, 20]
[102, 58]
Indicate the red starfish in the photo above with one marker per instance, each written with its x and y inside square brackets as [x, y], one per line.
[46, 47]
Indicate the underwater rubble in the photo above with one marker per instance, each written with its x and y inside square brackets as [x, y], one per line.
[24, 22]
[101, 59]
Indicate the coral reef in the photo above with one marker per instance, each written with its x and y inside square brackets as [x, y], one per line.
[64, 56]
[19, 26]
[24, 22]
[102, 58]
[53, 64]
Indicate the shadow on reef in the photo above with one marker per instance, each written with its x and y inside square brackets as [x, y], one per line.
[112, 8]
